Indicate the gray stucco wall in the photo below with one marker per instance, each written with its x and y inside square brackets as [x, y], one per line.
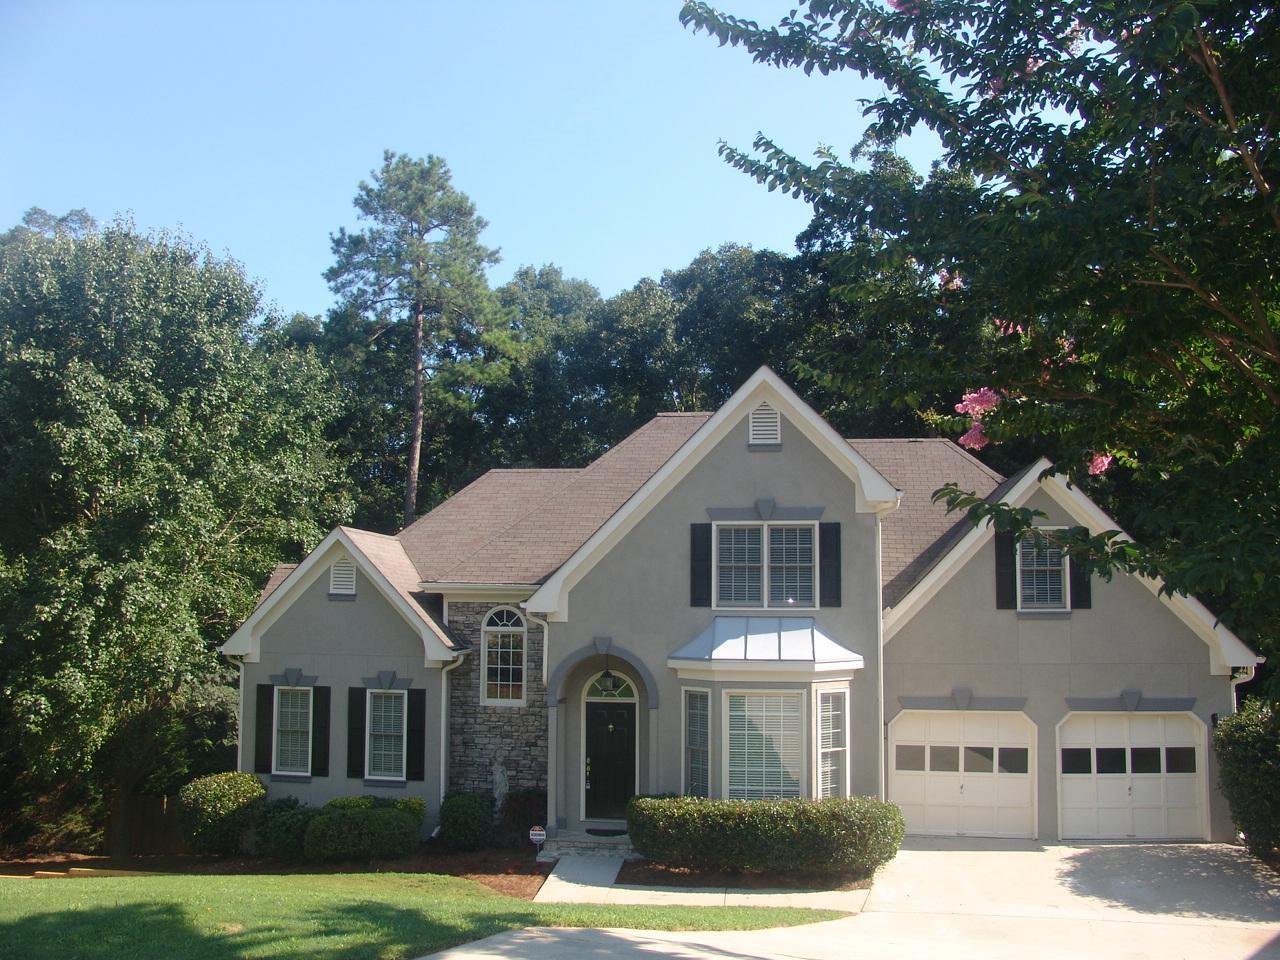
[638, 595]
[1127, 640]
[341, 642]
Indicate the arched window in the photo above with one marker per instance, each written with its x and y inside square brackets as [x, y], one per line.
[502, 657]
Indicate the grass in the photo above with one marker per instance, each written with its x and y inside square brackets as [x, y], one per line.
[377, 915]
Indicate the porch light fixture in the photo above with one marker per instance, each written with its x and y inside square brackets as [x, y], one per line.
[608, 682]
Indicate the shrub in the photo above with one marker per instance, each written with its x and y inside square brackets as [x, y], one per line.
[378, 833]
[415, 807]
[521, 809]
[466, 820]
[1248, 748]
[219, 809]
[845, 837]
[282, 827]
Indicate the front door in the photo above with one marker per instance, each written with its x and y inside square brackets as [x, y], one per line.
[610, 764]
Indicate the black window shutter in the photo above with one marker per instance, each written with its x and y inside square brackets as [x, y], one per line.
[264, 720]
[829, 564]
[1081, 587]
[355, 732]
[320, 732]
[1006, 571]
[416, 742]
[700, 565]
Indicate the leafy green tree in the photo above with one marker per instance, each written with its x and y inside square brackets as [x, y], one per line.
[1099, 246]
[418, 263]
[162, 452]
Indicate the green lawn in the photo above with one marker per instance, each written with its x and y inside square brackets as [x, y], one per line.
[384, 915]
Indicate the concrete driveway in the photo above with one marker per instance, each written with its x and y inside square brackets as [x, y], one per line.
[992, 900]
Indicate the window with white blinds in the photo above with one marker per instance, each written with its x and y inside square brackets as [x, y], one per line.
[791, 566]
[342, 577]
[386, 734]
[1041, 576]
[833, 743]
[293, 731]
[739, 558]
[766, 745]
[766, 565]
[697, 743]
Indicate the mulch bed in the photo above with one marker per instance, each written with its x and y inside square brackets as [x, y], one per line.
[645, 874]
[510, 872]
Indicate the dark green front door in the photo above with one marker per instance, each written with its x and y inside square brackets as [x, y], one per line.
[611, 759]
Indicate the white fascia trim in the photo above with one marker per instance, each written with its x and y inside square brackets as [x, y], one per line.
[246, 641]
[498, 592]
[764, 670]
[1226, 649]
[874, 494]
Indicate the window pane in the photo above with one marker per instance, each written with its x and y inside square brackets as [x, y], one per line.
[1041, 577]
[739, 562]
[1144, 759]
[1179, 759]
[293, 731]
[979, 759]
[831, 743]
[908, 757]
[1077, 760]
[766, 745]
[386, 735]
[1013, 759]
[791, 566]
[944, 759]
[697, 741]
[504, 661]
[1111, 760]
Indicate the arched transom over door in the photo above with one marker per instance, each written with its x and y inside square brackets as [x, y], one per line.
[610, 754]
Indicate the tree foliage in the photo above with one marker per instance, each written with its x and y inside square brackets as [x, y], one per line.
[163, 451]
[1098, 246]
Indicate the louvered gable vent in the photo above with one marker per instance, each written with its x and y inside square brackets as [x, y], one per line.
[342, 577]
[765, 426]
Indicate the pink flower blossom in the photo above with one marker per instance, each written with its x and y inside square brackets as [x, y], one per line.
[905, 6]
[994, 88]
[948, 280]
[976, 403]
[974, 438]
[1100, 463]
[1031, 66]
[1008, 327]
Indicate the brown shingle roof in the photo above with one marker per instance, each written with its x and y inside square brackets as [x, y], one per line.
[277, 577]
[919, 532]
[520, 526]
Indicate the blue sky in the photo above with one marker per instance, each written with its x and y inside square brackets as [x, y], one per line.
[584, 132]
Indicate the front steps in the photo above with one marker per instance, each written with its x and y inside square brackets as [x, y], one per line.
[580, 843]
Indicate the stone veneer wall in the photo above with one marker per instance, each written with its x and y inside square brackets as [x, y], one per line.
[479, 736]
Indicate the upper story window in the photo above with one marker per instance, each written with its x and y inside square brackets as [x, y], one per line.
[764, 426]
[766, 565]
[1042, 576]
[342, 578]
[503, 657]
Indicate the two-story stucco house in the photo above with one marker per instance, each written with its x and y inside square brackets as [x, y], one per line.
[743, 604]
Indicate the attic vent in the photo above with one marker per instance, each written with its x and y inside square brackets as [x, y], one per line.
[342, 577]
[766, 426]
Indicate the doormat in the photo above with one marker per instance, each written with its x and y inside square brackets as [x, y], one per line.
[597, 832]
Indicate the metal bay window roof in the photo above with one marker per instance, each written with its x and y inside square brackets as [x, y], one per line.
[767, 644]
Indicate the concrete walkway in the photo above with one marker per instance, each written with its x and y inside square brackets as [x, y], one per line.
[990, 900]
[592, 879]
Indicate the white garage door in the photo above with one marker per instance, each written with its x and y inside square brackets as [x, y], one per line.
[959, 773]
[1131, 776]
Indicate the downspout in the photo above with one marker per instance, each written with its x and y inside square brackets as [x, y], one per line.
[444, 724]
[546, 641]
[238, 660]
[1244, 675]
[552, 732]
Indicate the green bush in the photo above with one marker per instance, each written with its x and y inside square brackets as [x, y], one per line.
[281, 828]
[218, 810]
[415, 807]
[466, 820]
[379, 833]
[846, 837]
[520, 810]
[1248, 748]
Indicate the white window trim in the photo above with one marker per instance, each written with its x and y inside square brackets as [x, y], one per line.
[275, 732]
[340, 590]
[1066, 578]
[818, 694]
[404, 735]
[806, 733]
[684, 738]
[764, 565]
[485, 699]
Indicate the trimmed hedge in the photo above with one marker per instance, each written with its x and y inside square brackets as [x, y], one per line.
[218, 810]
[521, 809]
[845, 837]
[361, 834]
[1248, 748]
[466, 820]
[415, 807]
[281, 828]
